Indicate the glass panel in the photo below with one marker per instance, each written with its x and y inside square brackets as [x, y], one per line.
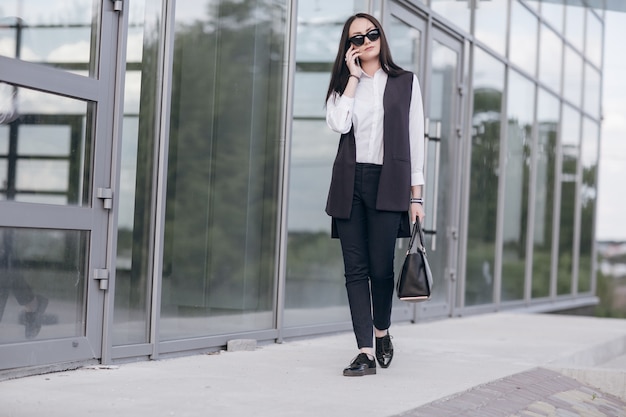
[314, 261]
[592, 91]
[547, 129]
[575, 23]
[593, 39]
[319, 28]
[307, 95]
[133, 277]
[523, 44]
[553, 11]
[490, 25]
[42, 284]
[570, 128]
[47, 143]
[315, 288]
[4, 147]
[588, 198]
[222, 185]
[456, 11]
[551, 54]
[533, 4]
[4, 136]
[485, 170]
[518, 150]
[58, 34]
[42, 175]
[405, 42]
[44, 140]
[441, 111]
[573, 76]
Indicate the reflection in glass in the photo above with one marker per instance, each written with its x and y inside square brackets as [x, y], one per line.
[441, 111]
[593, 38]
[47, 157]
[588, 198]
[135, 218]
[222, 185]
[42, 284]
[319, 29]
[520, 105]
[570, 137]
[553, 11]
[523, 43]
[484, 172]
[592, 91]
[547, 130]
[456, 11]
[314, 264]
[573, 76]
[315, 284]
[575, 23]
[405, 42]
[533, 4]
[59, 34]
[4, 136]
[490, 24]
[550, 59]
[308, 93]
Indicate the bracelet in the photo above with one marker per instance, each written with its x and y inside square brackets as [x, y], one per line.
[352, 75]
[417, 200]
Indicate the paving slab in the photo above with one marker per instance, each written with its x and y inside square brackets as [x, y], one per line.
[538, 392]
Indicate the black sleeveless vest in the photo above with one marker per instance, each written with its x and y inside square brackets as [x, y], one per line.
[394, 188]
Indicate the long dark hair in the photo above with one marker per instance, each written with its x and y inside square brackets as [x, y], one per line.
[340, 72]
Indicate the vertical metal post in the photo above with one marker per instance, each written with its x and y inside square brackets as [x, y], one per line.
[164, 77]
[289, 65]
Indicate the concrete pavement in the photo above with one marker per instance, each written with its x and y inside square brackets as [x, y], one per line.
[436, 364]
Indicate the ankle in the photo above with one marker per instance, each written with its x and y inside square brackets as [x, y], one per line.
[368, 351]
[380, 333]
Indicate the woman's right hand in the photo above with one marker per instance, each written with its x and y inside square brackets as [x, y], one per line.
[352, 56]
[417, 210]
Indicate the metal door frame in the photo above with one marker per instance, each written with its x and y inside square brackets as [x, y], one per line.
[436, 31]
[102, 92]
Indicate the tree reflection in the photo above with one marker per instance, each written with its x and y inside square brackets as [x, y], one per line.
[223, 157]
[484, 173]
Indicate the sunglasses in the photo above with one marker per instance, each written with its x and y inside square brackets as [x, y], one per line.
[358, 40]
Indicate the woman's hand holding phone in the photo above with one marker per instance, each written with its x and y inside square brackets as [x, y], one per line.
[352, 61]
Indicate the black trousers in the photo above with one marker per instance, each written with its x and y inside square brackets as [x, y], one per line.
[368, 240]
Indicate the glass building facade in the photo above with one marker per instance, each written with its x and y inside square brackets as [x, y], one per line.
[165, 166]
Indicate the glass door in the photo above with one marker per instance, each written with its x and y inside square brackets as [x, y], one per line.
[442, 168]
[406, 34]
[436, 57]
[56, 136]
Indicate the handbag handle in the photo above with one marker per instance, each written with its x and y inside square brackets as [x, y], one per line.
[417, 231]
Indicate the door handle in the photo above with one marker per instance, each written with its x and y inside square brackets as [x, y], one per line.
[435, 205]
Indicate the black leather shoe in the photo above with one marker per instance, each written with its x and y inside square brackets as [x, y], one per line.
[384, 350]
[361, 365]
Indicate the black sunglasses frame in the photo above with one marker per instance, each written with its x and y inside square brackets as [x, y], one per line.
[358, 40]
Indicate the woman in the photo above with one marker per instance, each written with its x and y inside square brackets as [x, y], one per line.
[377, 177]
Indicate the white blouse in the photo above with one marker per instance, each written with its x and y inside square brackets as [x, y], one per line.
[365, 111]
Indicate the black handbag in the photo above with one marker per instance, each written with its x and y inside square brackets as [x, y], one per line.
[415, 281]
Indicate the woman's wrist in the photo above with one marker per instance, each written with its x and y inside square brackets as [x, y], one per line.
[416, 200]
[355, 76]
